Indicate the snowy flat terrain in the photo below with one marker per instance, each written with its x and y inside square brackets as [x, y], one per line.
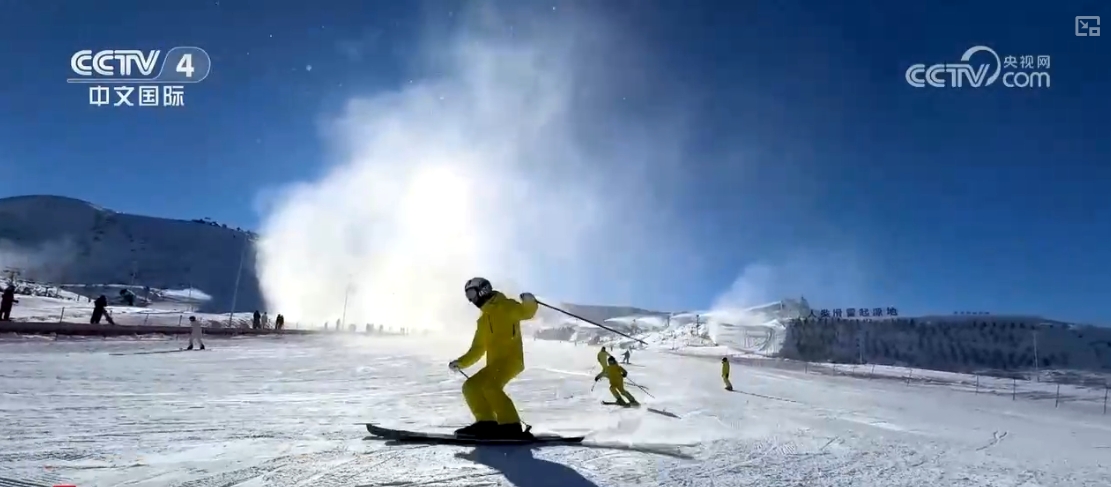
[50, 310]
[280, 411]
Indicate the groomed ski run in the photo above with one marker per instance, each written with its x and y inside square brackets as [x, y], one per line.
[283, 412]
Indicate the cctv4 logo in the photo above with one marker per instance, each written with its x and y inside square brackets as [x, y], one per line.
[108, 62]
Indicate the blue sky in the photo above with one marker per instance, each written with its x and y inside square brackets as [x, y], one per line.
[809, 165]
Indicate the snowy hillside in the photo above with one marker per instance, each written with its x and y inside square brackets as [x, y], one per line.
[68, 241]
[954, 343]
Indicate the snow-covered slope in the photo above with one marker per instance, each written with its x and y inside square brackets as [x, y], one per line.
[281, 412]
[69, 241]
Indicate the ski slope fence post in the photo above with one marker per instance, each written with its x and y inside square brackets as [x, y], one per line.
[977, 383]
[1057, 398]
[568, 313]
[63, 315]
[1014, 388]
[146, 316]
[1105, 399]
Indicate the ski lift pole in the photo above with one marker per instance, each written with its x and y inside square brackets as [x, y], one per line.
[573, 315]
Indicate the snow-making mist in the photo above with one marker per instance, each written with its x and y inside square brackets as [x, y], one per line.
[487, 167]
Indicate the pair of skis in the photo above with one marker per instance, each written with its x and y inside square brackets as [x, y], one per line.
[406, 436]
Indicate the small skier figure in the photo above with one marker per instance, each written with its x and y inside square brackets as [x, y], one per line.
[6, 301]
[194, 333]
[498, 337]
[616, 375]
[100, 310]
[625, 357]
[725, 373]
[603, 358]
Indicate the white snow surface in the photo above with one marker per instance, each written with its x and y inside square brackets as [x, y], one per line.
[281, 411]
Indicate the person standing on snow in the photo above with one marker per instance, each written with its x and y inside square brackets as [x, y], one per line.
[603, 358]
[194, 333]
[725, 373]
[616, 375]
[498, 337]
[625, 358]
[100, 310]
[6, 302]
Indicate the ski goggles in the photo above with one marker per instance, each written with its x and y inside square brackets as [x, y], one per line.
[474, 293]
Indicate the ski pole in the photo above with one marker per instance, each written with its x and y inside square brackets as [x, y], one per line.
[645, 389]
[573, 315]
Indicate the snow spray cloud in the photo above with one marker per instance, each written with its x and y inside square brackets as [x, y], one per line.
[829, 277]
[490, 167]
[45, 262]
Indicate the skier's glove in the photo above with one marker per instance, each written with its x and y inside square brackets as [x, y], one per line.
[453, 366]
[527, 297]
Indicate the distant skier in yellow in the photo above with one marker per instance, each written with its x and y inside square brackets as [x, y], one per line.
[603, 358]
[498, 337]
[616, 375]
[725, 373]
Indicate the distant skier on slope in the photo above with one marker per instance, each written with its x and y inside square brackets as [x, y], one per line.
[725, 373]
[616, 375]
[625, 356]
[100, 310]
[195, 333]
[6, 302]
[603, 358]
[498, 337]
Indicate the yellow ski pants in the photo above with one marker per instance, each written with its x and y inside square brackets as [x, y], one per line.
[618, 390]
[728, 385]
[485, 394]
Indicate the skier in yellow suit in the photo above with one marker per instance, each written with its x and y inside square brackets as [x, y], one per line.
[725, 373]
[616, 375]
[498, 337]
[603, 358]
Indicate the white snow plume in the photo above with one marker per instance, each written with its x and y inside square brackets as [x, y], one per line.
[46, 261]
[833, 277]
[509, 162]
[836, 278]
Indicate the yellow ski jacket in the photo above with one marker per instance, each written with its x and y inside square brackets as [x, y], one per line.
[603, 358]
[498, 335]
[615, 373]
[725, 369]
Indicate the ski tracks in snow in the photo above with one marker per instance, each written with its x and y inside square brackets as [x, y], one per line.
[996, 438]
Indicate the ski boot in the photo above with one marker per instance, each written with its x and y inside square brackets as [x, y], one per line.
[190, 347]
[480, 429]
[513, 431]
